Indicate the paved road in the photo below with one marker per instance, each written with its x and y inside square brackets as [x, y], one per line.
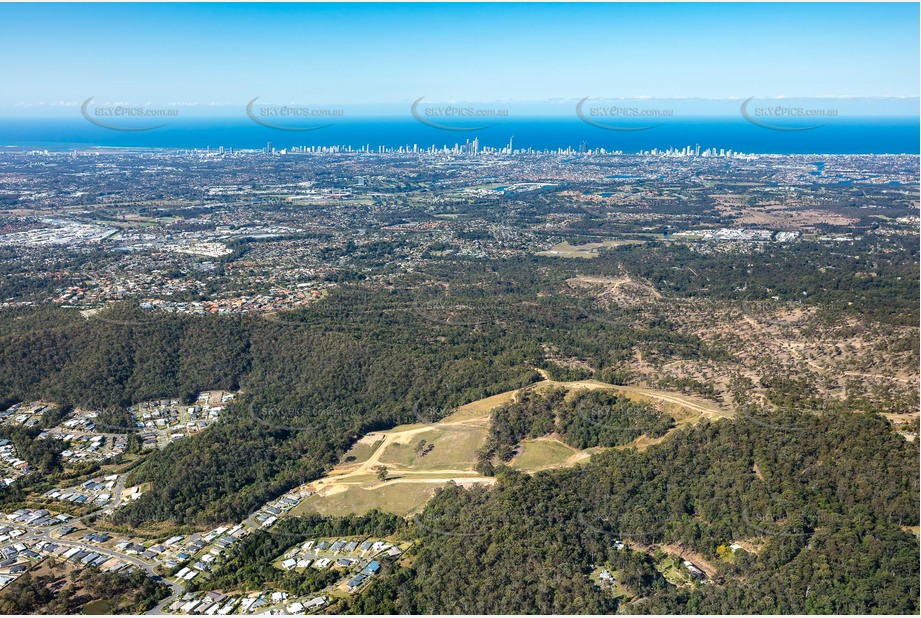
[117, 493]
[44, 534]
[176, 590]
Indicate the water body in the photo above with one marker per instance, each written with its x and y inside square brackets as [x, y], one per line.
[840, 136]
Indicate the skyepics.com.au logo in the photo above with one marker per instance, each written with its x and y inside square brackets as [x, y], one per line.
[480, 300]
[621, 115]
[434, 302]
[111, 298]
[768, 522]
[143, 314]
[279, 517]
[762, 418]
[441, 309]
[301, 317]
[786, 116]
[441, 418]
[468, 523]
[606, 419]
[620, 527]
[453, 117]
[126, 117]
[349, 303]
[292, 419]
[601, 310]
[293, 116]
[140, 418]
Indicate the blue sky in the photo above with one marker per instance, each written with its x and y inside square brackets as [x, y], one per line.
[214, 55]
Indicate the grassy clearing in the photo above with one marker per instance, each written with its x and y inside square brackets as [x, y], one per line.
[413, 478]
[99, 607]
[480, 409]
[450, 448]
[353, 486]
[542, 453]
[361, 451]
[589, 250]
[618, 589]
[397, 498]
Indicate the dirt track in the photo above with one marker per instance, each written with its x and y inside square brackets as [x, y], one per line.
[353, 475]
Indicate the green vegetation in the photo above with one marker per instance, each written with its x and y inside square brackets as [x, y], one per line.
[541, 453]
[44, 454]
[583, 419]
[398, 498]
[360, 452]
[441, 448]
[827, 516]
[58, 589]
[249, 566]
[808, 272]
[116, 420]
[821, 487]
[530, 416]
[604, 418]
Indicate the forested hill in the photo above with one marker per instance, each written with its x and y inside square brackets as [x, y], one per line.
[822, 502]
[312, 381]
[366, 357]
[817, 485]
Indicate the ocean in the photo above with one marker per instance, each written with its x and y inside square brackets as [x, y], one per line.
[854, 136]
